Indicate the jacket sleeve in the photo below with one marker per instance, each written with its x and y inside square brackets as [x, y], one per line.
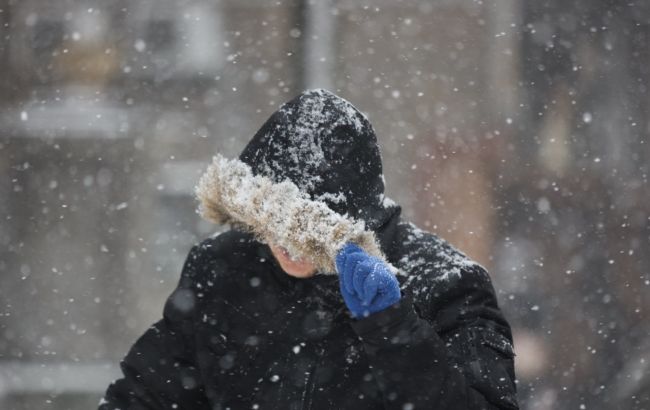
[159, 371]
[456, 356]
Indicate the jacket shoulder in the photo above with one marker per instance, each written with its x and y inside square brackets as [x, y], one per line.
[438, 276]
[220, 255]
[423, 253]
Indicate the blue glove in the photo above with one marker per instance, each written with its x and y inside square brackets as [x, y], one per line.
[366, 282]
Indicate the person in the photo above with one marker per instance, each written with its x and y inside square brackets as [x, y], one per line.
[274, 313]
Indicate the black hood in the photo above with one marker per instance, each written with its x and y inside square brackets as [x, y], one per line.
[328, 148]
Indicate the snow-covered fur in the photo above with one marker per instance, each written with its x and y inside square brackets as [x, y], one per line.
[278, 213]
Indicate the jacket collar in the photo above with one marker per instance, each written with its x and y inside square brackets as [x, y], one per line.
[387, 234]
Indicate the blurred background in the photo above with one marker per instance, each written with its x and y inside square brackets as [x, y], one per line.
[517, 130]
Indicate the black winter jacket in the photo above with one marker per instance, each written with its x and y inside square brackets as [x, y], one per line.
[239, 333]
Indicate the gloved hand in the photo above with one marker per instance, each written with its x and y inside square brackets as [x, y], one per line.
[366, 282]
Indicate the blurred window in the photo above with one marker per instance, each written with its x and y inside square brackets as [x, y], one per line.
[160, 35]
[46, 37]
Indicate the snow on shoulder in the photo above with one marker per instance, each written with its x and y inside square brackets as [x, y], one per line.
[279, 213]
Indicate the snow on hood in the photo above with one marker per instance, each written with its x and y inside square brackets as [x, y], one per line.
[279, 213]
[328, 149]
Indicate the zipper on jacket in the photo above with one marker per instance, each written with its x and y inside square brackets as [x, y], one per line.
[310, 383]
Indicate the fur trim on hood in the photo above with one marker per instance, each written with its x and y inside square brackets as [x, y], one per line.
[278, 213]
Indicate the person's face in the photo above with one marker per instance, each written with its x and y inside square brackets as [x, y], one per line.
[298, 268]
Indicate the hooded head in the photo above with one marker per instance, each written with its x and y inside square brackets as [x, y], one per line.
[309, 181]
[329, 150]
